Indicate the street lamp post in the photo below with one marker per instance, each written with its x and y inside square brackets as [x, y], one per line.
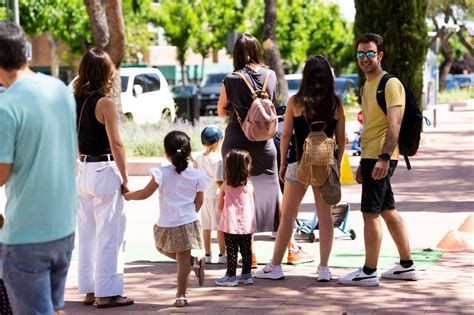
[16, 12]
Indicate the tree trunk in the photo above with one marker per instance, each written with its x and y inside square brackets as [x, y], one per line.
[100, 29]
[202, 68]
[271, 53]
[106, 16]
[53, 45]
[182, 63]
[448, 54]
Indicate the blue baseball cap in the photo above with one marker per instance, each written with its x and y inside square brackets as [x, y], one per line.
[210, 135]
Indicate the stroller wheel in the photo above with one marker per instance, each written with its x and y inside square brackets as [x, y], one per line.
[353, 234]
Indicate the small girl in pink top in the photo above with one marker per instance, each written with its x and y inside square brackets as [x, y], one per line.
[236, 201]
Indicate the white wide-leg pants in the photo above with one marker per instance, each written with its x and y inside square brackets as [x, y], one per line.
[101, 228]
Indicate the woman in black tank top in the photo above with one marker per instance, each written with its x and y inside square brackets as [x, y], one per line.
[102, 176]
[316, 100]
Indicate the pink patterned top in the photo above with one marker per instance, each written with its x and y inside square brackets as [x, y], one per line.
[238, 216]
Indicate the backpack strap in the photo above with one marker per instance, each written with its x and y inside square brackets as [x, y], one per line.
[252, 90]
[254, 93]
[381, 91]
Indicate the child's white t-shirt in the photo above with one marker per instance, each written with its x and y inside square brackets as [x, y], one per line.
[177, 193]
[208, 163]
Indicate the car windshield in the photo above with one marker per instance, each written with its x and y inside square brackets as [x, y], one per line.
[124, 83]
[294, 84]
[214, 78]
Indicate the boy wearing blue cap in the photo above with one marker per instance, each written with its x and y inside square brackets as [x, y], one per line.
[211, 137]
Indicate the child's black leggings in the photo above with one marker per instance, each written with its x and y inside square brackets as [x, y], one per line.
[234, 242]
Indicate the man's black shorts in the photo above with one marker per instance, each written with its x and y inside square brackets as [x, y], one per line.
[377, 195]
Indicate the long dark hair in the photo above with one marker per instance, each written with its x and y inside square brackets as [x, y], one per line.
[95, 74]
[178, 149]
[237, 167]
[317, 92]
[247, 51]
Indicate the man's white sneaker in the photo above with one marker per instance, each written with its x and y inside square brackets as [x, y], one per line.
[359, 278]
[222, 259]
[270, 272]
[208, 259]
[400, 273]
[324, 274]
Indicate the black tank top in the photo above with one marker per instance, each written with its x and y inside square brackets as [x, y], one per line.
[93, 138]
[301, 129]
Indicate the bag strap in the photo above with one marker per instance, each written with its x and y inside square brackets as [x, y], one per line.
[381, 91]
[252, 90]
[254, 94]
[80, 115]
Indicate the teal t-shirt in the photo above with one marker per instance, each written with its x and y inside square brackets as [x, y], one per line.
[38, 138]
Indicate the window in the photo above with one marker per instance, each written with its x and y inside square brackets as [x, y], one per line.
[150, 82]
[124, 81]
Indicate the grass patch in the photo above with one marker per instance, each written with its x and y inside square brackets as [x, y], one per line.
[147, 140]
[455, 95]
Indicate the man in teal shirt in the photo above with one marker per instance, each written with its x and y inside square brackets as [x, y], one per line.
[38, 148]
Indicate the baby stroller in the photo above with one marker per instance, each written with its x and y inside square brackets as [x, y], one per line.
[305, 229]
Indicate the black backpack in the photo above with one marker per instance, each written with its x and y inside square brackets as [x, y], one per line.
[410, 130]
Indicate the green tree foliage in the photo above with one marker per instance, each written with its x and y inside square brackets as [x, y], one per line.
[137, 14]
[65, 20]
[304, 28]
[179, 20]
[403, 27]
[452, 42]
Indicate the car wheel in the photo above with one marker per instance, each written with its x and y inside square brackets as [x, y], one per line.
[128, 116]
[166, 115]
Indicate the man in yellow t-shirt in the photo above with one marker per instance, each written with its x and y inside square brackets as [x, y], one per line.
[379, 157]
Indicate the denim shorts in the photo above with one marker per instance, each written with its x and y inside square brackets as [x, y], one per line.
[290, 174]
[35, 275]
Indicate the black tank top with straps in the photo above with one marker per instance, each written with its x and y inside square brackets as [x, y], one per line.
[92, 136]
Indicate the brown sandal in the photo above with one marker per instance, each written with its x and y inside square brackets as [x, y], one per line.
[116, 301]
[89, 299]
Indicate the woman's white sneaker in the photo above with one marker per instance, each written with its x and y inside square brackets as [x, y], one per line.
[360, 278]
[270, 272]
[400, 273]
[324, 274]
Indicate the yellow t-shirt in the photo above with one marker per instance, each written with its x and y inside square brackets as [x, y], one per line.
[375, 120]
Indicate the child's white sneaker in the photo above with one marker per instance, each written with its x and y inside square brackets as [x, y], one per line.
[401, 273]
[324, 274]
[208, 259]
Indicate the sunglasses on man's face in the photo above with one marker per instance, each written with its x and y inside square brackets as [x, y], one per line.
[369, 54]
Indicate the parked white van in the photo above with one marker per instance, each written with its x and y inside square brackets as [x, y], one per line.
[146, 97]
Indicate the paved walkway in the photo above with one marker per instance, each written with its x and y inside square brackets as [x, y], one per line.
[436, 196]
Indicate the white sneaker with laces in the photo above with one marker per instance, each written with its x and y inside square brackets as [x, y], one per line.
[400, 273]
[208, 259]
[222, 259]
[359, 278]
[324, 274]
[270, 272]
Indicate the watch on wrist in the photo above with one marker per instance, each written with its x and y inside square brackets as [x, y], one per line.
[384, 157]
